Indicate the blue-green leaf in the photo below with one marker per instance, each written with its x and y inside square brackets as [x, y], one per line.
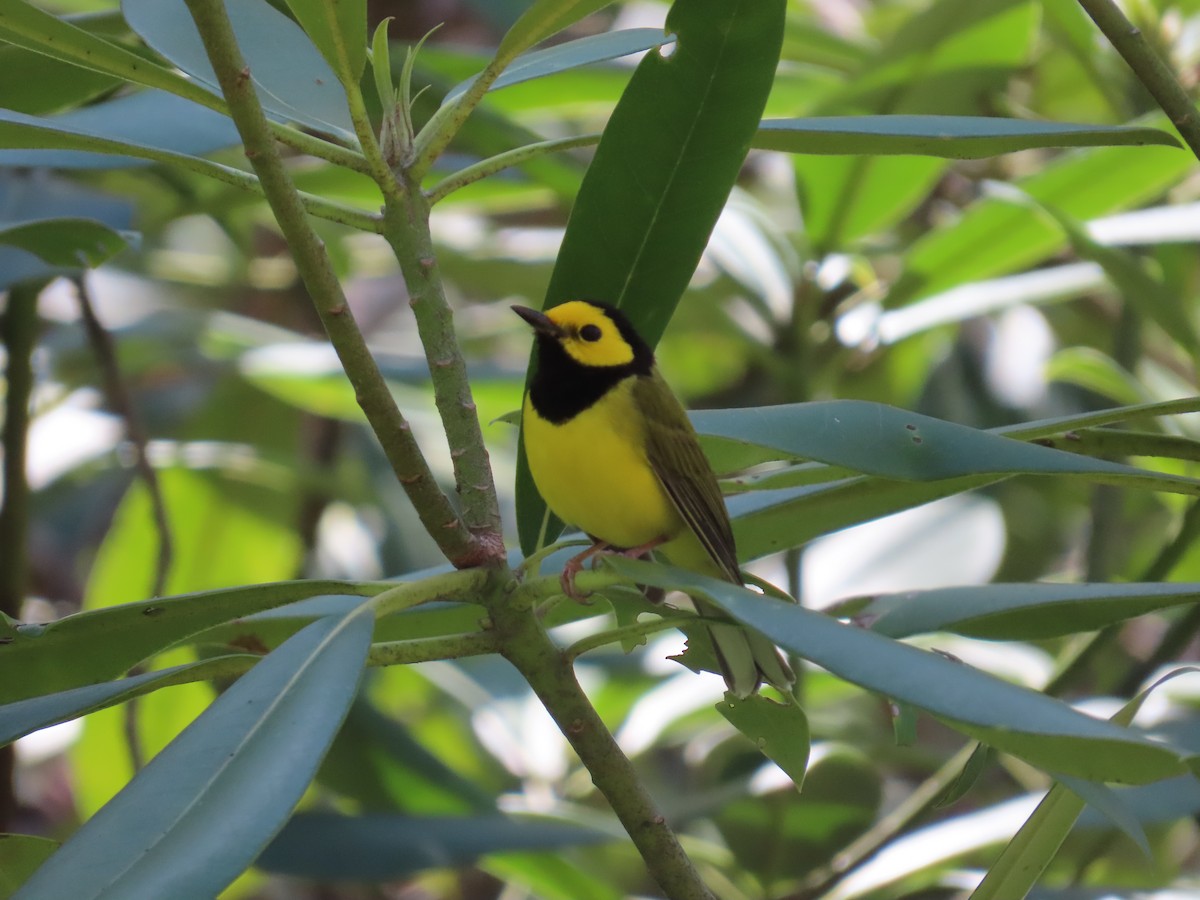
[381, 847]
[294, 82]
[202, 810]
[1040, 729]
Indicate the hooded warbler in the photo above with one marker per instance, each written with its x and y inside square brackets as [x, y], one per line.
[612, 452]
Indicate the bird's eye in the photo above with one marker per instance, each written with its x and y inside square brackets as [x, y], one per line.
[590, 332]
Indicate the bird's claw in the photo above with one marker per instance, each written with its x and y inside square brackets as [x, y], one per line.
[567, 580]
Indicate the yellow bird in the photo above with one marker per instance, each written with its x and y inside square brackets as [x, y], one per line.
[612, 452]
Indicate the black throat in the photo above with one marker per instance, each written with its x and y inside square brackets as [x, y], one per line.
[563, 387]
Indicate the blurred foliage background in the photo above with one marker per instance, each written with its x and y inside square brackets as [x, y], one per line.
[986, 292]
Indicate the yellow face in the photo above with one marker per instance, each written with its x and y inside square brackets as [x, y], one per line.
[589, 336]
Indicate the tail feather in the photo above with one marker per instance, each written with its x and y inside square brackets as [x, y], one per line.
[746, 658]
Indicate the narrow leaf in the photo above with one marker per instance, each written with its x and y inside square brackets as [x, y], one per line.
[886, 441]
[1032, 848]
[27, 716]
[99, 645]
[339, 29]
[293, 81]
[1022, 612]
[948, 137]
[1039, 729]
[24, 25]
[202, 810]
[570, 55]
[67, 243]
[543, 19]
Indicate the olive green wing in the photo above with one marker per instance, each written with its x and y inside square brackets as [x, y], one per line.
[675, 456]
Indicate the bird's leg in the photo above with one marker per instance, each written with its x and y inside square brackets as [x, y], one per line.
[638, 552]
[574, 565]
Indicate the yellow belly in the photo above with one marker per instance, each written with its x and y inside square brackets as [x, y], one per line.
[593, 473]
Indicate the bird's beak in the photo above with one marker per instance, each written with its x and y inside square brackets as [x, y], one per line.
[539, 320]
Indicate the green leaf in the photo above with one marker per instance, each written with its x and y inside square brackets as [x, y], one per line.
[202, 809]
[27, 716]
[993, 236]
[381, 66]
[543, 19]
[1131, 279]
[33, 83]
[779, 730]
[942, 59]
[99, 645]
[1035, 845]
[948, 137]
[976, 765]
[24, 25]
[661, 174]
[20, 855]
[339, 29]
[292, 79]
[378, 763]
[67, 243]
[550, 876]
[1043, 731]
[1022, 612]
[1032, 848]
[1093, 370]
[331, 847]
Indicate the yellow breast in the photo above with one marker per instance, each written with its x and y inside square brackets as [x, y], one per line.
[593, 472]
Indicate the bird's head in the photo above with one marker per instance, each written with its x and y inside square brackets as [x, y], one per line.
[591, 333]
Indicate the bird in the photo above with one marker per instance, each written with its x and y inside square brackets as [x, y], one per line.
[613, 453]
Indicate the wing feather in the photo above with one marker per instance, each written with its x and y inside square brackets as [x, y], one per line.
[678, 462]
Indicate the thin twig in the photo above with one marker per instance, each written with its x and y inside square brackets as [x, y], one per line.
[406, 229]
[506, 160]
[104, 348]
[1149, 68]
[312, 261]
[19, 331]
[117, 392]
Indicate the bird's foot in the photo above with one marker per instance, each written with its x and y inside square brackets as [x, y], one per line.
[574, 565]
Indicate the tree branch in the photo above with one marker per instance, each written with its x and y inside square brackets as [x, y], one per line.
[118, 397]
[19, 332]
[406, 229]
[312, 262]
[1149, 68]
[525, 644]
